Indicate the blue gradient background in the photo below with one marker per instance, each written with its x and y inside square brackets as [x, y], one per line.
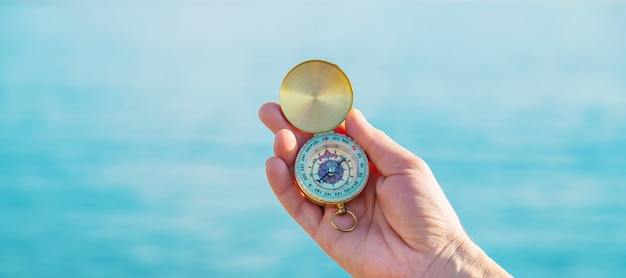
[130, 144]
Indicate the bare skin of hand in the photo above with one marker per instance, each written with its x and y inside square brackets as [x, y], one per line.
[406, 228]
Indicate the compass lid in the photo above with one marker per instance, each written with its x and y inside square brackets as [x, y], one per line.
[316, 96]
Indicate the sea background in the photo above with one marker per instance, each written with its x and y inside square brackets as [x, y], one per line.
[130, 144]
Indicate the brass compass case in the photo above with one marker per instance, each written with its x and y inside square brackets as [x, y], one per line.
[331, 168]
[316, 96]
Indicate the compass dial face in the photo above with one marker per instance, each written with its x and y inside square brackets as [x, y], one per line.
[331, 169]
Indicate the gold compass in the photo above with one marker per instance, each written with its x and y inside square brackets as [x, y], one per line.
[331, 168]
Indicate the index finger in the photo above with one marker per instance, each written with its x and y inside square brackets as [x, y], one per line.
[272, 116]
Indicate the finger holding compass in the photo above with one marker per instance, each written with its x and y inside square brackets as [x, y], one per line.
[279, 174]
[272, 116]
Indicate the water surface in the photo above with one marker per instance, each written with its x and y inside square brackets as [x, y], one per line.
[130, 145]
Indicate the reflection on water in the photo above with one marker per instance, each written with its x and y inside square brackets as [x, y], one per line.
[129, 144]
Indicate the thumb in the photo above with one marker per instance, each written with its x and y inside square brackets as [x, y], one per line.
[388, 156]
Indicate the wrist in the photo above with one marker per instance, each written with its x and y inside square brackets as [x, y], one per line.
[463, 258]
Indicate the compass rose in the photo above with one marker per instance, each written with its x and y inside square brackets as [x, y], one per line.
[330, 170]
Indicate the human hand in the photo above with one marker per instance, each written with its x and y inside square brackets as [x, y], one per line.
[407, 227]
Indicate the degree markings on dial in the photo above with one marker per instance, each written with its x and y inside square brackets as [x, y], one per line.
[324, 175]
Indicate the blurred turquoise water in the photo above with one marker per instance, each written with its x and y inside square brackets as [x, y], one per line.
[129, 143]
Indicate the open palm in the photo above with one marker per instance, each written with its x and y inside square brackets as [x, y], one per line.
[406, 225]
